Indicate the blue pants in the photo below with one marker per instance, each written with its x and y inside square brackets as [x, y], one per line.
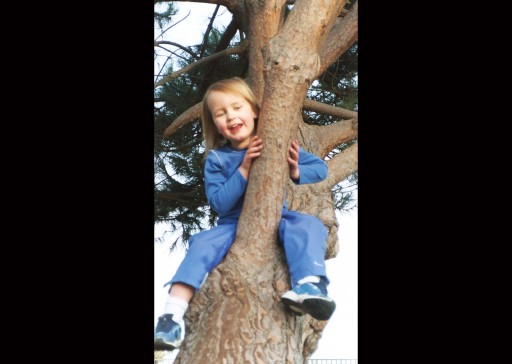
[303, 237]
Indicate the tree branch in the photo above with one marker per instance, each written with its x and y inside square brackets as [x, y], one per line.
[158, 43]
[218, 2]
[235, 50]
[322, 108]
[191, 114]
[343, 34]
[329, 136]
[236, 7]
[208, 30]
[342, 165]
[292, 2]
[223, 44]
[318, 21]
[177, 196]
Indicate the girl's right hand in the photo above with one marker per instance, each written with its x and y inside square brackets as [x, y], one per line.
[253, 151]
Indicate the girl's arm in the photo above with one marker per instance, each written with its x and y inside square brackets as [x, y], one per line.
[253, 152]
[223, 192]
[311, 168]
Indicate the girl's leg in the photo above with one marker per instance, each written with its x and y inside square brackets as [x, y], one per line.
[304, 238]
[182, 291]
[206, 250]
[180, 295]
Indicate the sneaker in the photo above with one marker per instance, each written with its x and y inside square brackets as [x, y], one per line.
[309, 298]
[167, 333]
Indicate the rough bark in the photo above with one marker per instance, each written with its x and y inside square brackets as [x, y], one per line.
[340, 38]
[237, 316]
[328, 136]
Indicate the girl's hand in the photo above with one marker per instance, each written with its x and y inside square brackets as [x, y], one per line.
[253, 151]
[293, 160]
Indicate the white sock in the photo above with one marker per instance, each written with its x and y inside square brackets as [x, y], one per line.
[310, 279]
[177, 307]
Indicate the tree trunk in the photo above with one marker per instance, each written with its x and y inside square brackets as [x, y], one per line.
[237, 316]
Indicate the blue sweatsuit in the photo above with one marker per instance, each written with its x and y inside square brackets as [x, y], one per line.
[303, 236]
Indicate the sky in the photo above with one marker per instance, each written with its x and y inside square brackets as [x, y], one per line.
[339, 338]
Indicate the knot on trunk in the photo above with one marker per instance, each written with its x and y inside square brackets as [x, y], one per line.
[231, 284]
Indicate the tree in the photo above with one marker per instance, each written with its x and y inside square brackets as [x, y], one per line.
[294, 54]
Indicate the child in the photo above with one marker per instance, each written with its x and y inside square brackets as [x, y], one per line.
[229, 118]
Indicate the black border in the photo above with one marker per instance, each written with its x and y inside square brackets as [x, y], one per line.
[83, 192]
[80, 190]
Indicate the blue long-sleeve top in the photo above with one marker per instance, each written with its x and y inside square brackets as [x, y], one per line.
[225, 185]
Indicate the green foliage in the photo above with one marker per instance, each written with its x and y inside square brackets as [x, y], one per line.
[179, 198]
[164, 11]
[345, 194]
[338, 87]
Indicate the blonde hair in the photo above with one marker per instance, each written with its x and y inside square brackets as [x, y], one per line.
[212, 138]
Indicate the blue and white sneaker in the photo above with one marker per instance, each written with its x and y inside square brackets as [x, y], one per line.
[167, 333]
[309, 298]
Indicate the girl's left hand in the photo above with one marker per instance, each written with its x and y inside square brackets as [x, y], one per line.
[293, 160]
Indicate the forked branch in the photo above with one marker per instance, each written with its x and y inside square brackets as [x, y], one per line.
[235, 50]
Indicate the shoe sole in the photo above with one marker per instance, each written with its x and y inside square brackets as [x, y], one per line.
[159, 344]
[293, 307]
[319, 309]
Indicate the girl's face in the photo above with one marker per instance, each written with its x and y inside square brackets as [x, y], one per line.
[233, 116]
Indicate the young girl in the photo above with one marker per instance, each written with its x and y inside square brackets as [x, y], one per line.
[229, 119]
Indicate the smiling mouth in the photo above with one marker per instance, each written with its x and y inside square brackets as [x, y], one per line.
[235, 126]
